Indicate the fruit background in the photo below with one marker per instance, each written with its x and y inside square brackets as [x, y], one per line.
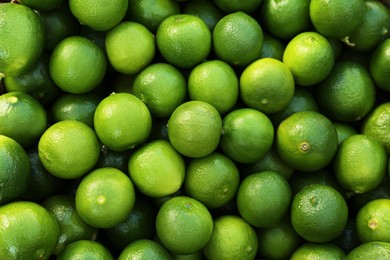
[194, 129]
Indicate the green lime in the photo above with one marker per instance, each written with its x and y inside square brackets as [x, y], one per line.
[232, 237]
[15, 170]
[27, 231]
[272, 47]
[194, 128]
[230, 6]
[319, 213]
[105, 197]
[370, 250]
[183, 225]
[263, 198]
[309, 251]
[184, 40]
[41, 5]
[22, 118]
[379, 65]
[267, 85]
[19, 51]
[122, 121]
[157, 169]
[85, 249]
[60, 145]
[207, 10]
[145, 249]
[237, 39]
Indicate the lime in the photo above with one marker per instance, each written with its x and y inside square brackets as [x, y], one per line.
[207, 10]
[232, 238]
[348, 93]
[183, 225]
[306, 140]
[41, 5]
[230, 6]
[162, 87]
[122, 121]
[213, 179]
[209, 79]
[310, 57]
[263, 198]
[267, 85]
[85, 249]
[105, 197]
[15, 170]
[23, 217]
[370, 250]
[22, 118]
[130, 47]
[380, 63]
[157, 169]
[309, 251]
[247, 135]
[360, 164]
[237, 39]
[19, 51]
[145, 249]
[77, 65]
[60, 145]
[184, 40]
[194, 128]
[100, 16]
[272, 47]
[344, 130]
[319, 213]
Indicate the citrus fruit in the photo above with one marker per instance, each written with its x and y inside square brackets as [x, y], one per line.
[22, 118]
[42, 184]
[60, 145]
[247, 135]
[105, 197]
[377, 123]
[306, 140]
[232, 237]
[360, 163]
[371, 222]
[237, 39]
[27, 231]
[72, 227]
[310, 57]
[278, 242]
[198, 255]
[85, 249]
[209, 79]
[303, 100]
[157, 169]
[263, 198]
[370, 250]
[285, 19]
[162, 88]
[318, 251]
[347, 94]
[41, 5]
[380, 63]
[213, 179]
[80, 107]
[15, 170]
[272, 47]
[151, 13]
[230, 6]
[319, 213]
[337, 19]
[194, 128]
[59, 23]
[144, 249]
[122, 121]
[36, 82]
[97, 37]
[184, 40]
[374, 28]
[77, 65]
[140, 224]
[19, 51]
[109, 158]
[267, 85]
[183, 225]
[99, 15]
[270, 162]
[207, 10]
[130, 47]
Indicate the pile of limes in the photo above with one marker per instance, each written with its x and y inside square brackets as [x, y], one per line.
[194, 129]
